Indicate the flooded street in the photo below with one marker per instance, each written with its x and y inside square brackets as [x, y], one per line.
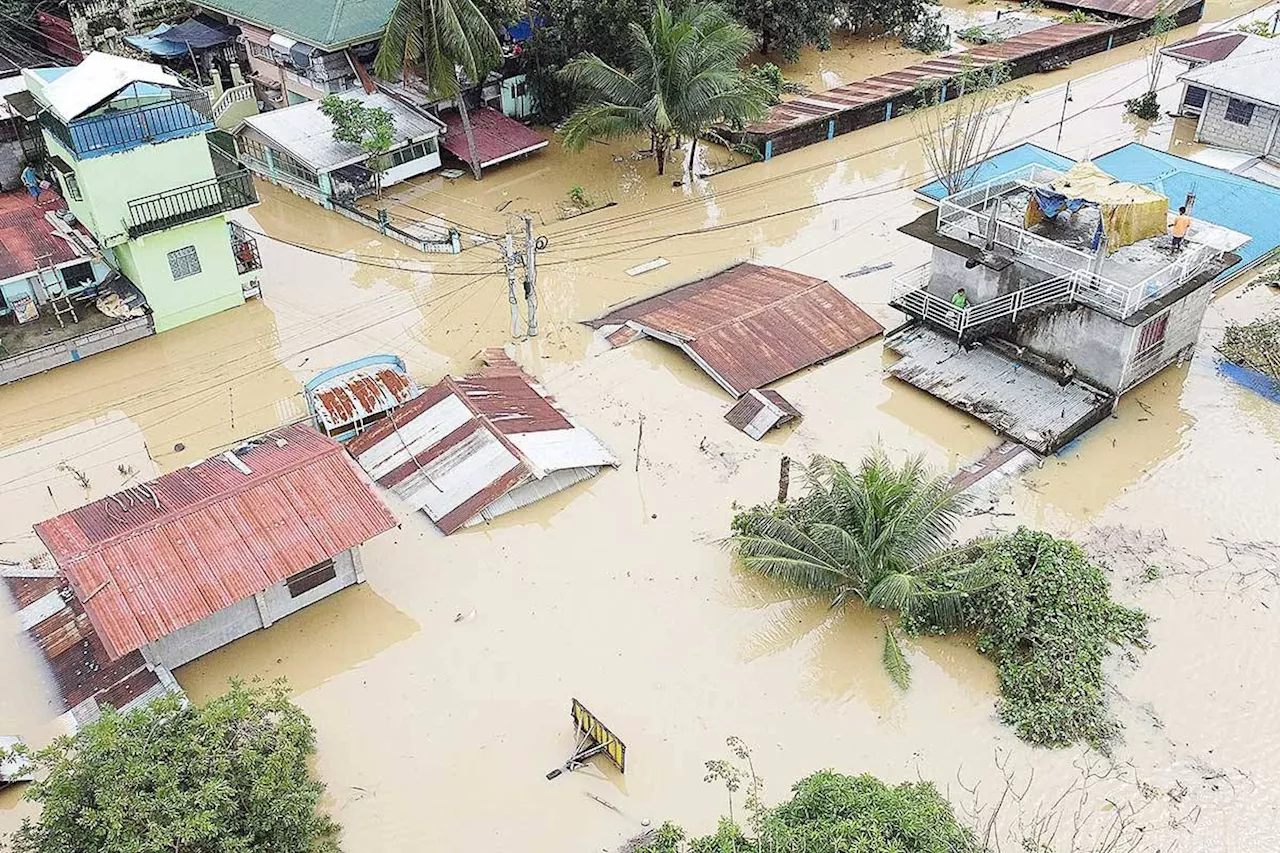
[441, 688]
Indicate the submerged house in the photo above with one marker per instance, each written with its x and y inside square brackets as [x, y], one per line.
[152, 577]
[473, 448]
[1073, 295]
[1239, 101]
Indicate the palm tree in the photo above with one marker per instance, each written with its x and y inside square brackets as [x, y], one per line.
[447, 41]
[880, 535]
[683, 77]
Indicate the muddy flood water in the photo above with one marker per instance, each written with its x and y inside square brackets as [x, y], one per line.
[441, 688]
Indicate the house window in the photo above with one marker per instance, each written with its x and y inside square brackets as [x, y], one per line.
[184, 262]
[70, 185]
[1194, 98]
[308, 579]
[1239, 112]
[1151, 335]
[412, 152]
[78, 275]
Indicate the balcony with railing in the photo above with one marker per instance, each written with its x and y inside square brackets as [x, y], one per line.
[155, 115]
[991, 215]
[190, 203]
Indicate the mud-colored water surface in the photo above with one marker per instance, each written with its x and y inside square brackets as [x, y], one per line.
[441, 689]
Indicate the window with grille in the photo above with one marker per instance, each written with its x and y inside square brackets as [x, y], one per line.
[184, 262]
[1151, 335]
[1195, 97]
[1238, 112]
[412, 152]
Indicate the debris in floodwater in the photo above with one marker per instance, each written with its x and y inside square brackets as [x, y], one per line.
[179, 447]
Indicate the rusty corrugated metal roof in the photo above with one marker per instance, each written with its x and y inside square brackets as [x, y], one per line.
[467, 443]
[830, 102]
[759, 411]
[160, 556]
[360, 394]
[77, 661]
[751, 325]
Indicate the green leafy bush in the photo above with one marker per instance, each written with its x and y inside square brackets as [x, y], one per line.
[1145, 106]
[1045, 617]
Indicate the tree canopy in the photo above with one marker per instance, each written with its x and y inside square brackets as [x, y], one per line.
[372, 128]
[788, 26]
[230, 776]
[682, 77]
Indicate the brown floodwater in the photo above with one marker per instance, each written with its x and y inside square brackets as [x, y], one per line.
[441, 689]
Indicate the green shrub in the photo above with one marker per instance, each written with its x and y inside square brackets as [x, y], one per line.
[1145, 106]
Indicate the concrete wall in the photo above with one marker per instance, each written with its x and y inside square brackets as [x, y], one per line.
[245, 617]
[217, 287]
[950, 271]
[1096, 344]
[1214, 129]
[10, 165]
[55, 355]
[1181, 334]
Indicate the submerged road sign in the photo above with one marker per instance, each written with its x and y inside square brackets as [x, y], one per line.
[594, 738]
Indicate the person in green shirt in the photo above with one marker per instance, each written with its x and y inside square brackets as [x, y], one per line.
[959, 299]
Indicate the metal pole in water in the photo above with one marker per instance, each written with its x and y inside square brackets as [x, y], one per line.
[509, 258]
[531, 275]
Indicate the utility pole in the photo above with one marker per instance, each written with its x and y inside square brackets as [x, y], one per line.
[509, 259]
[531, 274]
[1066, 99]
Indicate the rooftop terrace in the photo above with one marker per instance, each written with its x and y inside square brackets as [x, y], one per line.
[1122, 282]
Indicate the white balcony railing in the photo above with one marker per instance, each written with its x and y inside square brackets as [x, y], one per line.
[967, 216]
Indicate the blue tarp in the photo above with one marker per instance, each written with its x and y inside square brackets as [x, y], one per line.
[1259, 383]
[1241, 204]
[1052, 203]
[176, 40]
[522, 30]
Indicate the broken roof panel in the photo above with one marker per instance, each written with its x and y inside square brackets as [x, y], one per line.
[160, 556]
[759, 411]
[463, 449]
[751, 325]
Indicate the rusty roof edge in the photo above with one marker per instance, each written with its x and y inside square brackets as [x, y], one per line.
[251, 481]
[631, 303]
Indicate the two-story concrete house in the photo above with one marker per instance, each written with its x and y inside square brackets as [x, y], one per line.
[130, 145]
[1051, 294]
[1240, 101]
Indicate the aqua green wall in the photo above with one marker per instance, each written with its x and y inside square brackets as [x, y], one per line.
[109, 183]
[217, 287]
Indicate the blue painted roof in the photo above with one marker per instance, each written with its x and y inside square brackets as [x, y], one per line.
[1232, 201]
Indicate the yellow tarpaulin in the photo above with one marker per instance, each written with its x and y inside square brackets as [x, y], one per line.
[1130, 212]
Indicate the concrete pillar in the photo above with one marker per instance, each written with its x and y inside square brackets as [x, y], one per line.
[768, 149]
[357, 564]
[831, 129]
[263, 613]
[1204, 111]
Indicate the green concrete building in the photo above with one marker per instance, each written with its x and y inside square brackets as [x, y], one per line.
[131, 145]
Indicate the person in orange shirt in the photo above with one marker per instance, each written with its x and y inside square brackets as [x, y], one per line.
[1181, 225]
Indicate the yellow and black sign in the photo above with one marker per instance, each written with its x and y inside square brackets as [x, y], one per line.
[594, 729]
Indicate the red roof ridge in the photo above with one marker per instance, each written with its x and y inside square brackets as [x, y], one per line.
[250, 481]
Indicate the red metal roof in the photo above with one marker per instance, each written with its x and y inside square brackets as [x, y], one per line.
[831, 102]
[464, 443]
[26, 236]
[361, 393]
[746, 414]
[78, 662]
[157, 557]
[751, 325]
[497, 137]
[1205, 47]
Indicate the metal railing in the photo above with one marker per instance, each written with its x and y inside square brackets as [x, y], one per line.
[910, 294]
[245, 250]
[190, 203]
[121, 129]
[967, 216]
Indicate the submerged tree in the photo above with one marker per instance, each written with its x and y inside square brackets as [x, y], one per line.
[960, 120]
[788, 26]
[372, 128]
[447, 42]
[1147, 106]
[878, 534]
[230, 776]
[682, 77]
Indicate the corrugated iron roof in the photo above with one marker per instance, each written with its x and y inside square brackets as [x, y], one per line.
[361, 393]
[751, 325]
[759, 411]
[160, 556]
[1205, 47]
[464, 443]
[830, 102]
[497, 137]
[27, 239]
